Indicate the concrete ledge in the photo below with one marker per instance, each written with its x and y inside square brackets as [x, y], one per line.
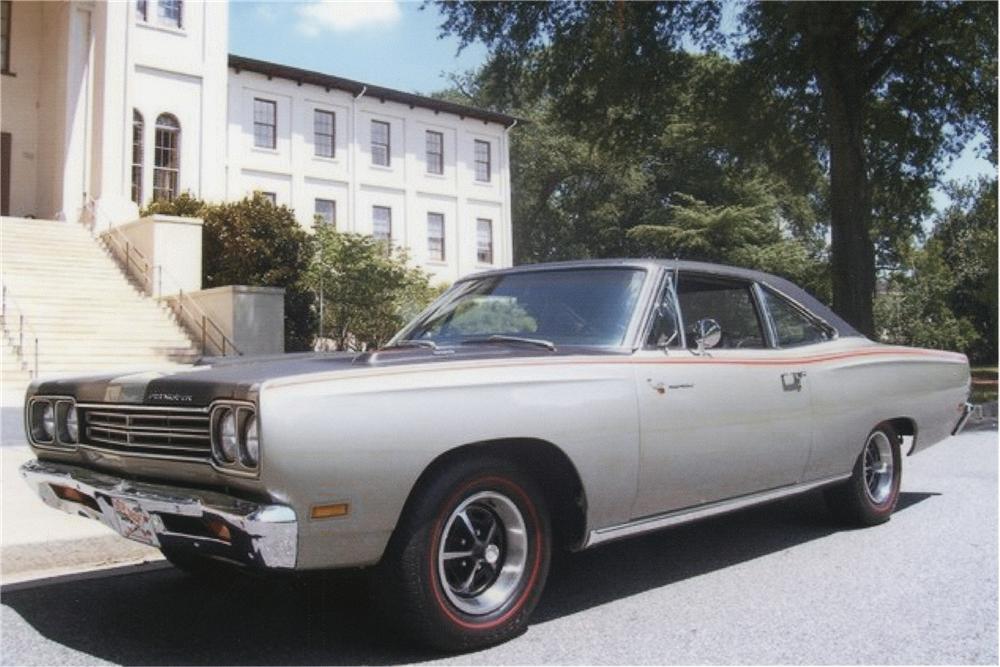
[41, 559]
[36, 540]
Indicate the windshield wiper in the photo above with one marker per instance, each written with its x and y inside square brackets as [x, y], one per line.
[499, 338]
[412, 343]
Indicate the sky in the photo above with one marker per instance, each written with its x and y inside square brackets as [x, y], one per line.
[390, 43]
[394, 43]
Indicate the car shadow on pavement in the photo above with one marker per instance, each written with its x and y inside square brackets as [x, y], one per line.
[165, 617]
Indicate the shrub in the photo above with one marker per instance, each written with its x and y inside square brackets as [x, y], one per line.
[368, 291]
[254, 242]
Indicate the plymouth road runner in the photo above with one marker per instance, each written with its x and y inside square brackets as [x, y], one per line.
[527, 409]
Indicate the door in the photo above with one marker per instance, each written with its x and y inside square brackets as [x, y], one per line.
[4, 173]
[722, 422]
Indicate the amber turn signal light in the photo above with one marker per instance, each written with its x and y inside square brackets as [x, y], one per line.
[330, 511]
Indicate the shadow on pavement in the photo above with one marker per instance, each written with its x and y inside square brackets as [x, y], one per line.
[166, 617]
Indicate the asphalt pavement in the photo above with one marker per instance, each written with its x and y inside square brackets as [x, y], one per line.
[775, 584]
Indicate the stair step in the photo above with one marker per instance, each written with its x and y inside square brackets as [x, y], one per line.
[87, 314]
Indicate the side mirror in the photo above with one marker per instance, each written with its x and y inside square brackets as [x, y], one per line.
[707, 334]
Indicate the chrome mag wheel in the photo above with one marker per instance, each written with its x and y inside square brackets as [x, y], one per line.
[482, 553]
[878, 467]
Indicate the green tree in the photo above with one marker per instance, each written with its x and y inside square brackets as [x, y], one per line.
[369, 293]
[254, 242]
[749, 230]
[914, 307]
[965, 235]
[682, 195]
[880, 92]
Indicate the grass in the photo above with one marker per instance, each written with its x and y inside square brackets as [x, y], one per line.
[981, 393]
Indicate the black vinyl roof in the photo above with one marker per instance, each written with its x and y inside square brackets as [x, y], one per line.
[777, 283]
[329, 81]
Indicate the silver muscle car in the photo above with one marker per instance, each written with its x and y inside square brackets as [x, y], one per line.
[546, 406]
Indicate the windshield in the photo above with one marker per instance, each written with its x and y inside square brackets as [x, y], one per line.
[568, 307]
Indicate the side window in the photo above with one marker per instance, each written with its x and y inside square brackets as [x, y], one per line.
[665, 332]
[728, 302]
[792, 327]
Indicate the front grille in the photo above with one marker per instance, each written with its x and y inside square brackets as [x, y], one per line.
[175, 432]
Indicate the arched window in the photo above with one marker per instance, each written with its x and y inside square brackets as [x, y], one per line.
[167, 158]
[137, 133]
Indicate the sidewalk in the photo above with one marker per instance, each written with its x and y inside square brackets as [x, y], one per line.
[36, 540]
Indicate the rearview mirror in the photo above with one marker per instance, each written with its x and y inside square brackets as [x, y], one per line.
[707, 334]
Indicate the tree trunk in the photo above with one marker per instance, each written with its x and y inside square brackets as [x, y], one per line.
[852, 249]
[832, 33]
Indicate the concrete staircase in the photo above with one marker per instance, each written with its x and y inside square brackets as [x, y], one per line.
[87, 315]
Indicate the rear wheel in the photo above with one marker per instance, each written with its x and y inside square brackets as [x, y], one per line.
[467, 564]
[870, 495]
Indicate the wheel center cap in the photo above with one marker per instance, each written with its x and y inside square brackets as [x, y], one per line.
[491, 554]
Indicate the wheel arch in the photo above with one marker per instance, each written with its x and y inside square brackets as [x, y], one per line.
[904, 426]
[545, 462]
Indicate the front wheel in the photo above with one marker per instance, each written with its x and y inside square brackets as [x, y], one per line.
[870, 495]
[467, 564]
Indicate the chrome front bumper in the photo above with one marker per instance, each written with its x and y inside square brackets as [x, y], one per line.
[207, 522]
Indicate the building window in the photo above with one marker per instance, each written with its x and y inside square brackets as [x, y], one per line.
[141, 10]
[484, 241]
[435, 237]
[435, 152]
[483, 167]
[381, 145]
[166, 158]
[170, 12]
[5, 9]
[324, 144]
[269, 196]
[137, 132]
[326, 213]
[382, 224]
[265, 123]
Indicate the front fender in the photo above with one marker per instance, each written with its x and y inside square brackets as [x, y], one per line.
[365, 438]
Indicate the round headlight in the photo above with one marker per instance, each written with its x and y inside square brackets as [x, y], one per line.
[49, 421]
[251, 442]
[227, 436]
[72, 424]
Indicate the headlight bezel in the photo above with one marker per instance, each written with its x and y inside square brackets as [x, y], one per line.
[61, 408]
[65, 412]
[239, 464]
[249, 433]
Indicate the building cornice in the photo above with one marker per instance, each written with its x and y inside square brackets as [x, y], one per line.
[329, 81]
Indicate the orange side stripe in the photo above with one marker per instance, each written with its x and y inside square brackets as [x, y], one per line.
[787, 361]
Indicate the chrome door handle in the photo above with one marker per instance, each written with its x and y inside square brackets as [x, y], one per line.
[792, 381]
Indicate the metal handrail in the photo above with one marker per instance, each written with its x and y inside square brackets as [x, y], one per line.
[9, 305]
[190, 315]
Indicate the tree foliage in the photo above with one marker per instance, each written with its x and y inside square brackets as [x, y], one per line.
[369, 292]
[948, 299]
[745, 231]
[685, 194]
[873, 96]
[254, 242]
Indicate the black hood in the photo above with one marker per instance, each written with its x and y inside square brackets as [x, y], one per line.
[238, 377]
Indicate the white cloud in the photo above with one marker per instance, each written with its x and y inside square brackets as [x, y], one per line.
[346, 15]
[266, 12]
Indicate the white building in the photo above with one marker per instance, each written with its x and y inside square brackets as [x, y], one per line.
[107, 105]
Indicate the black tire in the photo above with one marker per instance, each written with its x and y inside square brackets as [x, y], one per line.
[866, 499]
[414, 581]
